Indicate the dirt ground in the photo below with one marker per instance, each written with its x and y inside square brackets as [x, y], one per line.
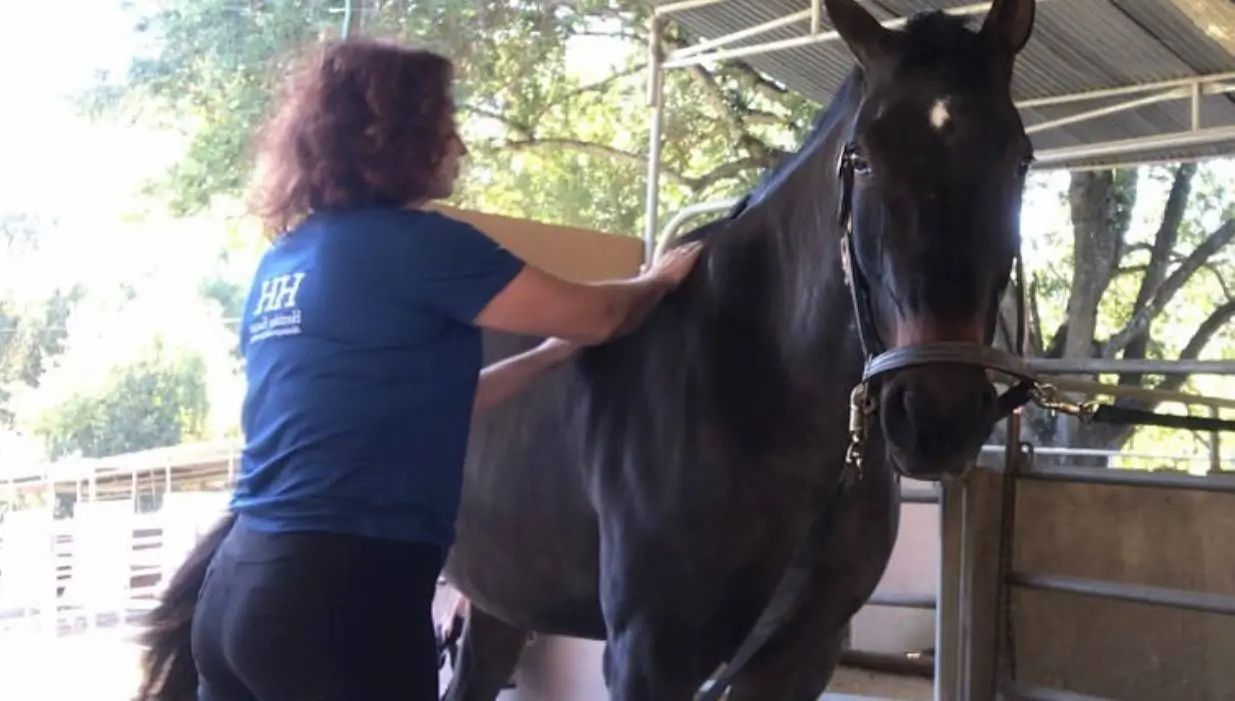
[868, 686]
[98, 666]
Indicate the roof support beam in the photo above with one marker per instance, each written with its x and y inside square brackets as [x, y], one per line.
[1053, 159]
[710, 49]
[1190, 87]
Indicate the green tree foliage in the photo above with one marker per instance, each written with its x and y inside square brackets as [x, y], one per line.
[140, 365]
[548, 142]
[153, 401]
[553, 94]
[32, 331]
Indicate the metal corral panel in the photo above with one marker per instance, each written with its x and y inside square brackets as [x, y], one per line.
[1138, 536]
[1077, 46]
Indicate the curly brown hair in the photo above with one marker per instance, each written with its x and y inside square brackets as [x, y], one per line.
[360, 123]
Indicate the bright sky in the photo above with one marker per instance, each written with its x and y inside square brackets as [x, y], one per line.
[49, 155]
[55, 162]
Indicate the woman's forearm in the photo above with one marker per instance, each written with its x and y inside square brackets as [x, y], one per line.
[506, 378]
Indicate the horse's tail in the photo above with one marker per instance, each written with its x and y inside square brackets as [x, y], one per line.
[168, 672]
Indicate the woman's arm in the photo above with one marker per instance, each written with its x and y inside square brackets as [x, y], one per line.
[536, 303]
[506, 378]
[460, 272]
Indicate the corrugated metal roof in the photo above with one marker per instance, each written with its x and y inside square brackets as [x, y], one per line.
[1077, 46]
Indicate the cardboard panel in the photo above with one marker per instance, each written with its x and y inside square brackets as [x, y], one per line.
[572, 253]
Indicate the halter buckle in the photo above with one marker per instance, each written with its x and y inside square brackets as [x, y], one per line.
[861, 406]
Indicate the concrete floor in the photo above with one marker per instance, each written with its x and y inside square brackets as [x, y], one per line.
[102, 666]
[861, 685]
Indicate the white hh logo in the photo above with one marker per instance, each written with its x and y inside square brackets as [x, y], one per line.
[276, 313]
[278, 293]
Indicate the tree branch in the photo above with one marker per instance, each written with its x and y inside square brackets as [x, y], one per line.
[734, 116]
[756, 82]
[590, 148]
[732, 169]
[1144, 316]
[1160, 254]
[727, 170]
[1035, 317]
[602, 84]
[1200, 339]
[1101, 207]
[523, 130]
[1227, 290]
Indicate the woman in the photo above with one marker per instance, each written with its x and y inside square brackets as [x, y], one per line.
[361, 338]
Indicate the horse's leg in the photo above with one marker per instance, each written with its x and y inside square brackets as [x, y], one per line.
[798, 664]
[651, 658]
[797, 671]
[653, 649]
[489, 652]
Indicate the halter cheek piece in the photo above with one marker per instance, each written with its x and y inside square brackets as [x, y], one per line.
[881, 360]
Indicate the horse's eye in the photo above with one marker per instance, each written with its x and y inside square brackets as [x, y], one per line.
[861, 166]
[1025, 164]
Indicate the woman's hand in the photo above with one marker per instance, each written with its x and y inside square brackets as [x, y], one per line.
[673, 267]
[536, 303]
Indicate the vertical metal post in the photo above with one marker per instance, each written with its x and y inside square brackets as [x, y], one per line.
[656, 101]
[814, 16]
[947, 594]
[346, 30]
[1215, 445]
[1195, 101]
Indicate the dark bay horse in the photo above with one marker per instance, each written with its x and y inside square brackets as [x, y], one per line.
[653, 493]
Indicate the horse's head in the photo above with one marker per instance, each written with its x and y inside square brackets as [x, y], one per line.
[932, 179]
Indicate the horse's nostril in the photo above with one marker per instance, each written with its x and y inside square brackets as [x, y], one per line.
[937, 414]
[898, 418]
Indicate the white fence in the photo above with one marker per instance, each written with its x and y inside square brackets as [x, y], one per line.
[98, 568]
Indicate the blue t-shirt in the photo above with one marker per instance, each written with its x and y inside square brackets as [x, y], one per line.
[361, 359]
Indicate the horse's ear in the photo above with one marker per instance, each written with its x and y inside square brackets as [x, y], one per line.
[869, 40]
[1009, 23]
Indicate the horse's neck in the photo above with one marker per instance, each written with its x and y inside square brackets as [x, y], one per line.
[814, 321]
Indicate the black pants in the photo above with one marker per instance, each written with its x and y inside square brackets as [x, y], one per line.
[317, 617]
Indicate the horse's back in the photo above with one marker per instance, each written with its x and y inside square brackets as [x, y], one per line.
[527, 547]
